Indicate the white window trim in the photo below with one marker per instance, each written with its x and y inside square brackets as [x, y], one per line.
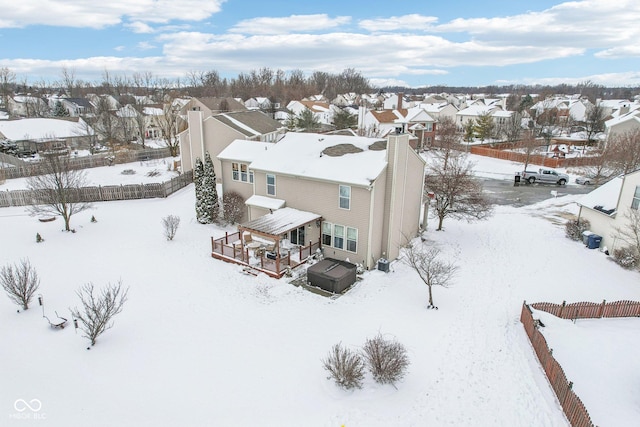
[340, 197]
[274, 184]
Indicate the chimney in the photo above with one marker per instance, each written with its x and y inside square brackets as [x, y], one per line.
[400, 97]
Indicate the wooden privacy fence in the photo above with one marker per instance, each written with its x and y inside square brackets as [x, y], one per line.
[103, 193]
[535, 159]
[572, 406]
[23, 169]
[590, 310]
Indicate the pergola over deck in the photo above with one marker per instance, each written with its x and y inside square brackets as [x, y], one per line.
[268, 229]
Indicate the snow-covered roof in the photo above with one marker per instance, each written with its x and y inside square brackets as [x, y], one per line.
[42, 129]
[605, 197]
[280, 221]
[265, 202]
[301, 154]
[245, 151]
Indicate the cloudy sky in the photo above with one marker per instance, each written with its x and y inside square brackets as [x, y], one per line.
[413, 43]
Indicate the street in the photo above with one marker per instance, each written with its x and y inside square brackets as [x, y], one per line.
[504, 192]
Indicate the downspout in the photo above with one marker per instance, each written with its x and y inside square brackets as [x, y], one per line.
[372, 197]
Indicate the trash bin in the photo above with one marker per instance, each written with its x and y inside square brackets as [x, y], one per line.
[517, 178]
[594, 241]
[383, 265]
[585, 237]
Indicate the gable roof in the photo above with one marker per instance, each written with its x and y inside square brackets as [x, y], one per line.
[41, 129]
[213, 103]
[301, 154]
[605, 197]
[389, 116]
[250, 123]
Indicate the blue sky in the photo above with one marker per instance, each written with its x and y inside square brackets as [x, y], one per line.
[456, 43]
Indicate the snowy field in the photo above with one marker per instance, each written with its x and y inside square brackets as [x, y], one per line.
[199, 343]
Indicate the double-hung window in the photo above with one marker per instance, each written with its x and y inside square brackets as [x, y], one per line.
[235, 167]
[327, 235]
[271, 184]
[635, 203]
[352, 239]
[338, 236]
[345, 197]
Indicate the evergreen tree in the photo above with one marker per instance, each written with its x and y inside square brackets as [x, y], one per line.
[198, 174]
[209, 191]
[59, 110]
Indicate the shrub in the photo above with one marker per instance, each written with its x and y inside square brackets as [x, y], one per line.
[170, 224]
[20, 282]
[388, 360]
[345, 367]
[233, 207]
[575, 227]
[626, 257]
[39, 238]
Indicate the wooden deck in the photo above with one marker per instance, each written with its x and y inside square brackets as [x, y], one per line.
[230, 248]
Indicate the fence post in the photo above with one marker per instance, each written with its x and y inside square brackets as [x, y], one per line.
[601, 311]
[564, 303]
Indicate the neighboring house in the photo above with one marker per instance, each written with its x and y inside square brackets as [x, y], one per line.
[259, 103]
[473, 111]
[42, 134]
[322, 111]
[27, 106]
[629, 122]
[607, 208]
[110, 101]
[212, 133]
[77, 106]
[346, 99]
[440, 110]
[396, 101]
[357, 198]
[213, 105]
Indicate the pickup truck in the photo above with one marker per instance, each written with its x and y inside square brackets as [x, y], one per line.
[548, 176]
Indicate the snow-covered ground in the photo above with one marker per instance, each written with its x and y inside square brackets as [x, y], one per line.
[200, 343]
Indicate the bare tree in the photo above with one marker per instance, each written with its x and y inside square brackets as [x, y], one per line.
[69, 80]
[629, 233]
[432, 270]
[56, 189]
[170, 224]
[345, 367]
[594, 121]
[457, 194]
[168, 123]
[106, 123]
[528, 143]
[20, 282]
[7, 81]
[387, 359]
[98, 308]
[624, 151]
[512, 129]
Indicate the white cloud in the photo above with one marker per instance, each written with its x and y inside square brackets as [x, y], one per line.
[145, 46]
[394, 23]
[140, 27]
[289, 24]
[119, 48]
[625, 79]
[619, 52]
[89, 14]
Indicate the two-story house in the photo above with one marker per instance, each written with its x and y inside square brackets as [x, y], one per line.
[356, 198]
[212, 133]
[607, 208]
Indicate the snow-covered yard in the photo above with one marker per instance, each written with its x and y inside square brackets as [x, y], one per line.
[201, 343]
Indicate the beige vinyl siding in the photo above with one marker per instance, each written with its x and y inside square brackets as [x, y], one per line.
[245, 189]
[217, 137]
[322, 197]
